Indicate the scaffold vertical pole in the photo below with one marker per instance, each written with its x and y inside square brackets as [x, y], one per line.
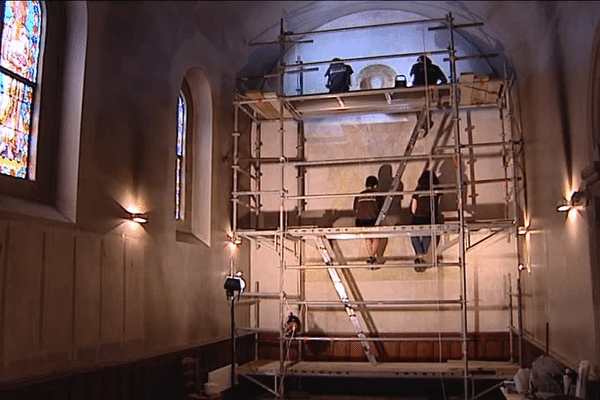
[281, 230]
[235, 166]
[461, 216]
[516, 211]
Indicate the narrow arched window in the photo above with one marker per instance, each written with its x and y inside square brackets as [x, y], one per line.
[180, 176]
[21, 50]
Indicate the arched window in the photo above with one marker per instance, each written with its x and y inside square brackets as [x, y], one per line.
[181, 155]
[21, 50]
[193, 159]
[184, 155]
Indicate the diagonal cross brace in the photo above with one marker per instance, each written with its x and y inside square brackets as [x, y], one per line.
[324, 247]
[421, 120]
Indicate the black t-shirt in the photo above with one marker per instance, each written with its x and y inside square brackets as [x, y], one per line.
[367, 207]
[434, 74]
[338, 77]
[424, 206]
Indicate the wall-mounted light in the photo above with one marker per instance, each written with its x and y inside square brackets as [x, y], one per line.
[522, 230]
[140, 218]
[578, 199]
[523, 267]
[235, 239]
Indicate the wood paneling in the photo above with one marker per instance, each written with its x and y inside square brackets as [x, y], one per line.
[23, 287]
[112, 289]
[484, 346]
[155, 378]
[134, 289]
[87, 288]
[57, 312]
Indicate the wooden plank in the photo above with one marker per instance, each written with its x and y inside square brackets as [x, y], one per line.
[453, 368]
[57, 312]
[22, 295]
[112, 289]
[134, 289]
[87, 288]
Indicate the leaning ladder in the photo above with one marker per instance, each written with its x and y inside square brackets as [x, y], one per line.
[421, 121]
[324, 247]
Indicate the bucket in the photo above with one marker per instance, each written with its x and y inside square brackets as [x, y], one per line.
[400, 81]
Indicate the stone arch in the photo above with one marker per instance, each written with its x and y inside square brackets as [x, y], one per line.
[375, 76]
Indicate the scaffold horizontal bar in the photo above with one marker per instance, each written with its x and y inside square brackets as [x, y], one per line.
[372, 231]
[474, 57]
[375, 160]
[382, 25]
[377, 339]
[382, 194]
[370, 266]
[338, 195]
[467, 25]
[372, 302]
[383, 56]
[374, 92]
[350, 232]
[268, 295]
[299, 71]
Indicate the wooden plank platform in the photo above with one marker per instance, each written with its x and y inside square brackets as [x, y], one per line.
[450, 369]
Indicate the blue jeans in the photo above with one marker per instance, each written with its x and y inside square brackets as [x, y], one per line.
[421, 243]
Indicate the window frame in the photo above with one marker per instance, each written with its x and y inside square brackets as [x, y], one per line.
[184, 222]
[44, 113]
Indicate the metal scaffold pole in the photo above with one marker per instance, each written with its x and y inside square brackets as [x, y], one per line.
[294, 215]
[460, 199]
[281, 229]
[235, 166]
[517, 219]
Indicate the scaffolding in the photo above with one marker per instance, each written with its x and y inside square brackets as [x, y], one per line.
[285, 232]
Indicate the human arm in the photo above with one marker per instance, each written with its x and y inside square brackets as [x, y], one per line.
[413, 205]
[441, 76]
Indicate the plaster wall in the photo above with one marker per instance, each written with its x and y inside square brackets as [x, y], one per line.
[490, 265]
[387, 40]
[549, 46]
[103, 290]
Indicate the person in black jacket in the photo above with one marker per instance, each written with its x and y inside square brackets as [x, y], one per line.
[367, 210]
[338, 76]
[423, 66]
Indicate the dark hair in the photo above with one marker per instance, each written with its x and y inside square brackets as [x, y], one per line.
[336, 59]
[371, 181]
[423, 183]
[425, 58]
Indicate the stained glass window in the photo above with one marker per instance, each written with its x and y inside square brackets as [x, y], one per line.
[180, 149]
[19, 60]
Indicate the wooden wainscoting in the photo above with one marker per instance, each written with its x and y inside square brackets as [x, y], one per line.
[483, 346]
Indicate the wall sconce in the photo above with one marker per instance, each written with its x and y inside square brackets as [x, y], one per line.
[523, 267]
[140, 218]
[522, 230]
[235, 239]
[578, 199]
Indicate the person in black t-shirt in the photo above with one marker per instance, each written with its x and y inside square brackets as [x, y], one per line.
[367, 210]
[435, 76]
[338, 76]
[420, 207]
